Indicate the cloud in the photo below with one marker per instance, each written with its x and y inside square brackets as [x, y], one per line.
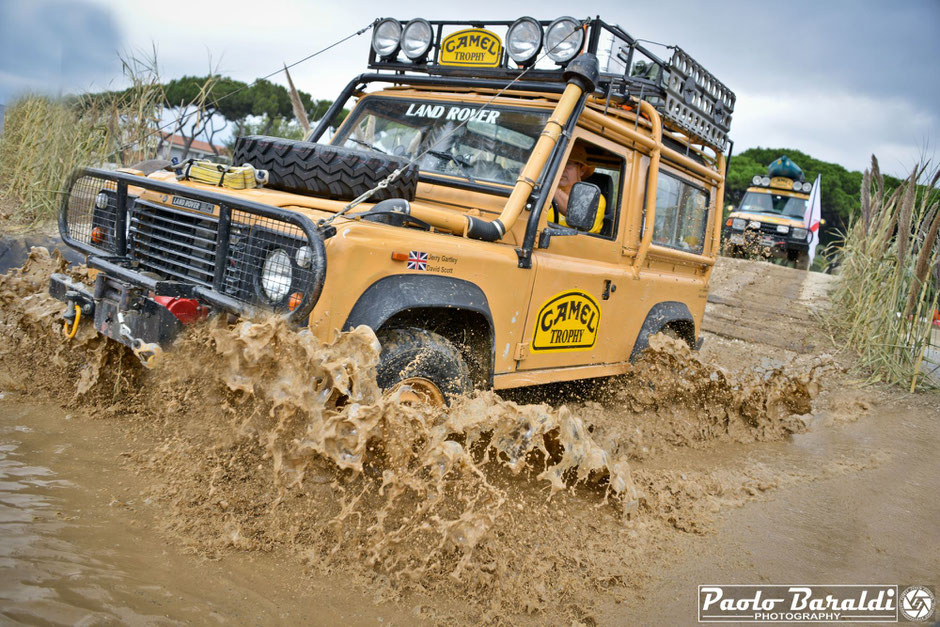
[839, 126]
[55, 46]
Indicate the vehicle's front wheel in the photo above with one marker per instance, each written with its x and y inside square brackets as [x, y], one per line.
[427, 364]
[802, 261]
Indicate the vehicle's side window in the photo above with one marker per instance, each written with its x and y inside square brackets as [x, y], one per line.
[681, 214]
[592, 164]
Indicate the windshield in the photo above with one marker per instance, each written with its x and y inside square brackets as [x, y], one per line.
[789, 206]
[492, 146]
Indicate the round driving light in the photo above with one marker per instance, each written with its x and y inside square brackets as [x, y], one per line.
[303, 256]
[101, 200]
[765, 181]
[797, 186]
[563, 39]
[524, 40]
[807, 187]
[385, 37]
[416, 39]
[276, 275]
[755, 180]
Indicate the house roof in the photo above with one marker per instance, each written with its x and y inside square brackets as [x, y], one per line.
[179, 140]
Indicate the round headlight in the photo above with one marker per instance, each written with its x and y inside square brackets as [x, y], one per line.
[304, 256]
[563, 39]
[276, 275]
[765, 181]
[755, 180]
[797, 186]
[416, 39]
[807, 187]
[385, 37]
[524, 40]
[101, 200]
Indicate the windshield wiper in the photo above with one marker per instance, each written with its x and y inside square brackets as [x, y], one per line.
[366, 144]
[461, 163]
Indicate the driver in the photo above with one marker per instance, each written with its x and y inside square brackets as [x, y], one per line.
[576, 170]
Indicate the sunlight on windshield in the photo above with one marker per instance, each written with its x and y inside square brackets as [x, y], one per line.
[492, 146]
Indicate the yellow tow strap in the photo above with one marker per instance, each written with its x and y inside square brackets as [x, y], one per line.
[221, 175]
[78, 316]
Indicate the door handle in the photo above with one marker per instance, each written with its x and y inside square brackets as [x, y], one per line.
[608, 288]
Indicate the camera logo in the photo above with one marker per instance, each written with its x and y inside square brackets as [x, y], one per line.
[917, 604]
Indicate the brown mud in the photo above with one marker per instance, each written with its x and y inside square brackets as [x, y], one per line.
[258, 456]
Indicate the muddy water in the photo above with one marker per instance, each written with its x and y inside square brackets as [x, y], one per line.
[80, 544]
[264, 465]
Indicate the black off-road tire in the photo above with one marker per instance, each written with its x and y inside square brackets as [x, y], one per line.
[801, 262]
[411, 352]
[325, 171]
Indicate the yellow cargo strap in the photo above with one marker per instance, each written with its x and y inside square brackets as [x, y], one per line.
[230, 176]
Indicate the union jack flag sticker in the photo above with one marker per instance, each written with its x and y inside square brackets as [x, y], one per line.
[417, 260]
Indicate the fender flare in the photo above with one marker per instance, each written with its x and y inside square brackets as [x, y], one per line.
[393, 294]
[659, 316]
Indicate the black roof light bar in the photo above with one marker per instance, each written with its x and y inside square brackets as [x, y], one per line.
[689, 97]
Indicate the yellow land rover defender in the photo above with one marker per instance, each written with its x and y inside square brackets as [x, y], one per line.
[502, 207]
[771, 219]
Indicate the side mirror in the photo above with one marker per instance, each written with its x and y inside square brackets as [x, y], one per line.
[583, 202]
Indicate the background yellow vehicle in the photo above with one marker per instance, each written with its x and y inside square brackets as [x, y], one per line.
[426, 216]
[771, 220]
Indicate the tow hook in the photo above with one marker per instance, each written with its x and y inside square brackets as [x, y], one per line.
[75, 309]
[147, 352]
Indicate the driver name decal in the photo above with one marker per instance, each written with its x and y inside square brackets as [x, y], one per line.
[568, 321]
[474, 47]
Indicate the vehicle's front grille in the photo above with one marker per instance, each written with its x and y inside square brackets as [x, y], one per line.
[767, 227]
[179, 245]
[232, 250]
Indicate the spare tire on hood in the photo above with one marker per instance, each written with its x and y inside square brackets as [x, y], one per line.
[325, 171]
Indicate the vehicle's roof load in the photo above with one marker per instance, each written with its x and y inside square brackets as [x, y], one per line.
[688, 97]
[785, 167]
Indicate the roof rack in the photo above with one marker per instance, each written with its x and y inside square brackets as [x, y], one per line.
[689, 97]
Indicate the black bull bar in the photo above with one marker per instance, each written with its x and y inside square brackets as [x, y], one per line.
[190, 243]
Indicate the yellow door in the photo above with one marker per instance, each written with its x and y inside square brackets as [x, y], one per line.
[582, 282]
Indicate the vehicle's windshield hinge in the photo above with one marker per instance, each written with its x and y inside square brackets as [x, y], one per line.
[521, 352]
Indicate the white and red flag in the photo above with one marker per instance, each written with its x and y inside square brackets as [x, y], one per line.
[813, 216]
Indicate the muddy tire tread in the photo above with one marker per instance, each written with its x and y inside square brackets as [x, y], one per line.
[414, 352]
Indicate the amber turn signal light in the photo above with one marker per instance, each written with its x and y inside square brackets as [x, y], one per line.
[399, 256]
[97, 235]
[295, 299]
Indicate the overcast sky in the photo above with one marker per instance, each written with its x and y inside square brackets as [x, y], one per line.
[838, 79]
